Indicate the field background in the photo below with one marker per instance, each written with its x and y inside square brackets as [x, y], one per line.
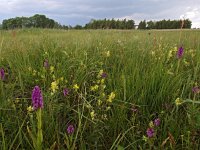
[142, 70]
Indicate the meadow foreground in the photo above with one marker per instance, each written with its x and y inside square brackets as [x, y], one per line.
[99, 89]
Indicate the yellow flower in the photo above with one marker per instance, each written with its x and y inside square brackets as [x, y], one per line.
[76, 87]
[107, 54]
[111, 97]
[108, 108]
[178, 101]
[151, 125]
[30, 108]
[99, 102]
[103, 94]
[100, 73]
[54, 86]
[144, 138]
[17, 100]
[94, 88]
[52, 69]
[61, 79]
[102, 81]
[92, 114]
[29, 69]
[34, 72]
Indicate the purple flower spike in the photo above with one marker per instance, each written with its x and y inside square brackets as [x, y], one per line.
[157, 122]
[196, 89]
[65, 92]
[37, 99]
[46, 64]
[150, 132]
[70, 129]
[180, 52]
[104, 75]
[2, 74]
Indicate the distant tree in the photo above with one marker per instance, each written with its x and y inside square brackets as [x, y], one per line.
[78, 27]
[151, 25]
[110, 24]
[37, 21]
[142, 25]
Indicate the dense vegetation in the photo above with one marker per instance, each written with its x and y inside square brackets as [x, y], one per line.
[111, 24]
[41, 21]
[165, 24]
[36, 21]
[100, 89]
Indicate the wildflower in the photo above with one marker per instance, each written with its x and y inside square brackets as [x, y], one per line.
[157, 122]
[111, 97]
[76, 87]
[17, 100]
[61, 79]
[65, 92]
[104, 75]
[70, 129]
[150, 132]
[2, 74]
[29, 69]
[99, 102]
[52, 69]
[134, 109]
[107, 54]
[102, 81]
[92, 114]
[180, 52]
[178, 101]
[37, 99]
[100, 73]
[94, 88]
[30, 108]
[151, 125]
[196, 90]
[108, 108]
[54, 86]
[144, 138]
[46, 64]
[34, 72]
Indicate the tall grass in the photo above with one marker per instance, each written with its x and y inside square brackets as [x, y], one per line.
[141, 68]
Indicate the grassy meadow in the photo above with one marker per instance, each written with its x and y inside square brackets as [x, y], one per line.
[101, 89]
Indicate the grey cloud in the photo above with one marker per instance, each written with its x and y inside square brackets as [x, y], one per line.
[81, 11]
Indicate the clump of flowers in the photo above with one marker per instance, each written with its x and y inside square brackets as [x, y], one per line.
[65, 92]
[157, 122]
[52, 69]
[94, 88]
[2, 74]
[75, 87]
[150, 132]
[196, 90]
[107, 54]
[70, 129]
[111, 97]
[54, 87]
[180, 52]
[46, 64]
[178, 102]
[37, 98]
[92, 114]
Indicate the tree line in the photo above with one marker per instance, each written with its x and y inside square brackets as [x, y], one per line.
[110, 24]
[165, 24]
[41, 21]
[36, 21]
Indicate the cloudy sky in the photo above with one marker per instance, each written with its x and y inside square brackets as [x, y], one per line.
[72, 12]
